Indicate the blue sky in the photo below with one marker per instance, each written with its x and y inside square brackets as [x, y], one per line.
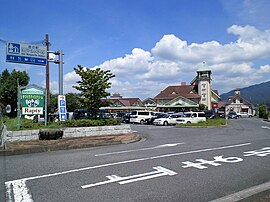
[147, 44]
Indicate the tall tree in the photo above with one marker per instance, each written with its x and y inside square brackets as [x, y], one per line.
[8, 87]
[93, 86]
[72, 100]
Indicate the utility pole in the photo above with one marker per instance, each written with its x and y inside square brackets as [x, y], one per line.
[48, 72]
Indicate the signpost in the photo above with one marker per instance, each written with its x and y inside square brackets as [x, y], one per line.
[26, 53]
[31, 101]
[62, 109]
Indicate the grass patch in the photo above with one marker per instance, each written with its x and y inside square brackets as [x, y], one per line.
[26, 124]
[208, 122]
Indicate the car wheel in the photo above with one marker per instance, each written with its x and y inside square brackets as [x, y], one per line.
[165, 123]
[188, 122]
[142, 122]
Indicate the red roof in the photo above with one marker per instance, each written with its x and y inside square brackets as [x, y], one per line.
[231, 98]
[125, 101]
[171, 92]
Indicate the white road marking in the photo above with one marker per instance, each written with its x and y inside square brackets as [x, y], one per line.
[266, 127]
[244, 193]
[19, 190]
[202, 162]
[261, 152]
[143, 149]
[160, 171]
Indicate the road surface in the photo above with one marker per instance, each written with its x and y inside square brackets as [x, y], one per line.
[170, 164]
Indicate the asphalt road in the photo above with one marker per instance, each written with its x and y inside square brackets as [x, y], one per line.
[171, 164]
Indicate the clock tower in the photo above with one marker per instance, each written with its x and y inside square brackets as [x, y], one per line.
[204, 86]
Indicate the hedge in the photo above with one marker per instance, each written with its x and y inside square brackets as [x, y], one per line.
[90, 122]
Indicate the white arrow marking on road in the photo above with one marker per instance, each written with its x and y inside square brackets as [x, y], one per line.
[266, 127]
[134, 150]
[160, 171]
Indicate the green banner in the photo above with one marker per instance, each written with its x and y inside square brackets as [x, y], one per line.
[32, 102]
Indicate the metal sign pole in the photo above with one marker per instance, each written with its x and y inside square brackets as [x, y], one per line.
[18, 105]
[61, 72]
[46, 116]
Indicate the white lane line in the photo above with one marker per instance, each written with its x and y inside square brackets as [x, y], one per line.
[244, 193]
[266, 127]
[143, 149]
[18, 191]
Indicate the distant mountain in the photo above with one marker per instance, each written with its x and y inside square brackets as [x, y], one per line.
[256, 94]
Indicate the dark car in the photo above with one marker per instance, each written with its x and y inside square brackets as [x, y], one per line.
[126, 118]
[87, 114]
[232, 115]
[210, 114]
[82, 114]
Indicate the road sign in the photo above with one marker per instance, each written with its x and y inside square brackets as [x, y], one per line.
[62, 109]
[26, 53]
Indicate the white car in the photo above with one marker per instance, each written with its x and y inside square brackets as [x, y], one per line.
[244, 114]
[192, 117]
[140, 116]
[168, 119]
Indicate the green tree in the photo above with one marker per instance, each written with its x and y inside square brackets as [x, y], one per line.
[9, 87]
[262, 112]
[72, 101]
[53, 102]
[202, 107]
[93, 86]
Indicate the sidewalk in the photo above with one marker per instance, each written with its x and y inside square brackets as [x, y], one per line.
[35, 146]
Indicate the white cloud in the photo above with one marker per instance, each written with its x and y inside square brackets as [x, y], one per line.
[172, 60]
[133, 64]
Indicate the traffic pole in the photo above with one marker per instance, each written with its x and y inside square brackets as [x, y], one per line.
[48, 71]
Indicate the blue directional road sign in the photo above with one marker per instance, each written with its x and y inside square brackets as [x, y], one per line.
[26, 53]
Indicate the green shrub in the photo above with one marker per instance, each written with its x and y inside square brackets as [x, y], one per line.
[90, 122]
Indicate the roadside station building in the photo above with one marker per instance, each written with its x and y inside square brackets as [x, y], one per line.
[173, 98]
[236, 103]
[187, 97]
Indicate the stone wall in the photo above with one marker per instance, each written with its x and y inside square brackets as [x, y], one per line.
[25, 135]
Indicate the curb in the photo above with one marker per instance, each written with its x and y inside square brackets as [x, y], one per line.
[9, 152]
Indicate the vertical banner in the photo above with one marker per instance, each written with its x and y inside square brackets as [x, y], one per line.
[62, 109]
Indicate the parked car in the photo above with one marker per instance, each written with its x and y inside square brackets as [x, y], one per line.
[87, 114]
[192, 117]
[157, 115]
[232, 115]
[244, 114]
[168, 119]
[210, 114]
[140, 116]
[126, 118]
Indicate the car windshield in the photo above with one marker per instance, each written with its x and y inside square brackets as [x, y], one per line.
[165, 116]
[188, 115]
